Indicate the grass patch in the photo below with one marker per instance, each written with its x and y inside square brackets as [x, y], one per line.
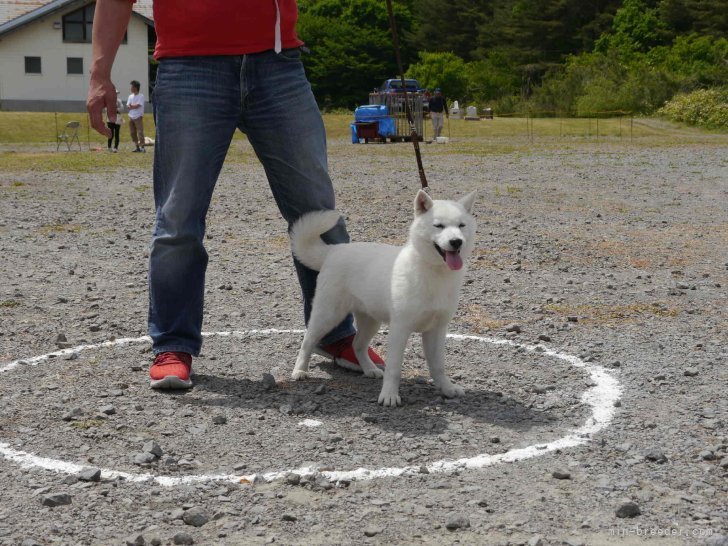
[71, 161]
[9, 304]
[59, 228]
[87, 423]
[29, 140]
[43, 127]
[595, 313]
[476, 317]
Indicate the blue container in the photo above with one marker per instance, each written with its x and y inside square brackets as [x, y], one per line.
[371, 112]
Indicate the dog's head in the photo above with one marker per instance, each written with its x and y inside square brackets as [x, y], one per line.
[444, 231]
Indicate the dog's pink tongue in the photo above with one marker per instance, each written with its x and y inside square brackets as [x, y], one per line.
[453, 260]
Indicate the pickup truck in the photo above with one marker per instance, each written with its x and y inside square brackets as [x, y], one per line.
[394, 85]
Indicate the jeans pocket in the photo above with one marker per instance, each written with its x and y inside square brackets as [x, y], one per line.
[290, 55]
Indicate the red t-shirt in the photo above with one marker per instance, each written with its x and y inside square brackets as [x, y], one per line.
[222, 27]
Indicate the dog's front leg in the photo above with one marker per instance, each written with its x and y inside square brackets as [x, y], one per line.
[433, 342]
[300, 370]
[397, 341]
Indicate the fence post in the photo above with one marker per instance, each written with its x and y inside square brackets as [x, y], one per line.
[631, 124]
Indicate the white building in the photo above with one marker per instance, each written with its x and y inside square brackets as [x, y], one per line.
[45, 54]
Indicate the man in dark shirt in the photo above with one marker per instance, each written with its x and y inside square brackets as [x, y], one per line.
[438, 109]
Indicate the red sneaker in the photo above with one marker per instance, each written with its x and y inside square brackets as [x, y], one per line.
[342, 353]
[171, 371]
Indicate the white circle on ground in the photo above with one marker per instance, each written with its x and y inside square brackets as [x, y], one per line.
[601, 396]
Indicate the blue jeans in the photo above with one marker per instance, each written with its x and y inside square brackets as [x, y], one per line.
[198, 104]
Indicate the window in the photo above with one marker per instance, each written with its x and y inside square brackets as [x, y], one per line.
[77, 25]
[32, 65]
[74, 65]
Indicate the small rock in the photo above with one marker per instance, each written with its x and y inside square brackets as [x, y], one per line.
[372, 531]
[561, 474]
[195, 517]
[144, 458]
[56, 499]
[457, 522]
[289, 517]
[30, 542]
[544, 337]
[72, 414]
[321, 389]
[655, 455]
[535, 541]
[572, 318]
[219, 420]
[135, 539]
[494, 440]
[89, 475]
[269, 382]
[152, 447]
[107, 410]
[183, 538]
[627, 509]
[707, 455]
[513, 328]
[292, 478]
[690, 372]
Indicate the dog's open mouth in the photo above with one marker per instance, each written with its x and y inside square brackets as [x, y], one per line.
[452, 257]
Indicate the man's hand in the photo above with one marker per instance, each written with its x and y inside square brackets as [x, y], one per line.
[111, 19]
[101, 94]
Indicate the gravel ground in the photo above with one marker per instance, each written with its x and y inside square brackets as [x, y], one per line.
[612, 252]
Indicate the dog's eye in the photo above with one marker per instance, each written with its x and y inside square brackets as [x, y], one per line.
[439, 226]
[462, 225]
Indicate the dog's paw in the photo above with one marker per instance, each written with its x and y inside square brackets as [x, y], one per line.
[376, 373]
[451, 390]
[297, 375]
[388, 399]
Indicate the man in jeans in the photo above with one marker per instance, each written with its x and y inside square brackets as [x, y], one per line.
[223, 66]
[135, 104]
[438, 109]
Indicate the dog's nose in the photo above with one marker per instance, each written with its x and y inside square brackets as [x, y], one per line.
[456, 243]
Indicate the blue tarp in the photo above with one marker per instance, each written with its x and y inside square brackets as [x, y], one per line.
[373, 113]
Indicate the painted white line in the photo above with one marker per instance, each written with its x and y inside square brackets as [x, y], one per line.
[311, 423]
[601, 397]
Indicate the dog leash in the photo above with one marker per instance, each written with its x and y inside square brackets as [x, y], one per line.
[413, 131]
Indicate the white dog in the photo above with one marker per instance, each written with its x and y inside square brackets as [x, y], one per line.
[414, 288]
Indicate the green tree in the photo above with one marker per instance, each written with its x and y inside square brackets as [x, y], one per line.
[351, 47]
[444, 70]
[636, 28]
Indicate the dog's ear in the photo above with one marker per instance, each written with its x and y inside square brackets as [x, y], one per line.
[468, 201]
[423, 203]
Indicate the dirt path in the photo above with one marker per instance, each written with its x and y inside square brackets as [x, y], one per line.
[611, 253]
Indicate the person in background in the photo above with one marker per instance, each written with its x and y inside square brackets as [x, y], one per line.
[438, 109]
[135, 104]
[223, 66]
[114, 124]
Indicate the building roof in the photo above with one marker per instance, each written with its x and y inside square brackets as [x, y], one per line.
[17, 13]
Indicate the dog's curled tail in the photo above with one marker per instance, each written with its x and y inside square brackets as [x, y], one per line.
[306, 240]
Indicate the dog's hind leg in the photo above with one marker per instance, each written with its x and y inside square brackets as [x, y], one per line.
[366, 328]
[325, 315]
[433, 342]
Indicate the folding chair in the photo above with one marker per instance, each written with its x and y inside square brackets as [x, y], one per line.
[69, 134]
